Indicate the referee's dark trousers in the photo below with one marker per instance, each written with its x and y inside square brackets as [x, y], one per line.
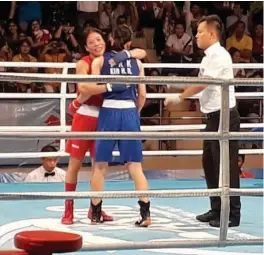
[211, 162]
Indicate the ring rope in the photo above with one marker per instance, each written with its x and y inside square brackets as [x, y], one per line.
[131, 135]
[12, 155]
[129, 194]
[146, 65]
[246, 95]
[155, 80]
[143, 128]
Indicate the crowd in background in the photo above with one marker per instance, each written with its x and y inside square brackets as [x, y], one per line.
[34, 31]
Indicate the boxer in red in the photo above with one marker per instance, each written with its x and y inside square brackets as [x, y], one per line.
[86, 111]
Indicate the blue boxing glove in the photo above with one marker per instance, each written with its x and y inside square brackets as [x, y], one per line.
[116, 87]
[120, 57]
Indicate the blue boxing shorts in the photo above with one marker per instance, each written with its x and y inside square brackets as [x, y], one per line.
[113, 119]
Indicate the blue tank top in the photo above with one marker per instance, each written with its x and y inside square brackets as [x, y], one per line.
[128, 67]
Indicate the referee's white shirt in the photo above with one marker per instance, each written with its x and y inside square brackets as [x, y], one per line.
[217, 63]
[38, 175]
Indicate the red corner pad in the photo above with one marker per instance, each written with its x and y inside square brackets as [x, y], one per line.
[47, 242]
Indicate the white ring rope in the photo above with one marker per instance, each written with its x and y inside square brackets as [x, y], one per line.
[246, 95]
[131, 135]
[146, 65]
[143, 128]
[155, 80]
[13, 155]
[128, 194]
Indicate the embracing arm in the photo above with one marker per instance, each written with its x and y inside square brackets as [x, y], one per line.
[91, 88]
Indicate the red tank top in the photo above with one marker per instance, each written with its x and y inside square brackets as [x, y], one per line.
[96, 100]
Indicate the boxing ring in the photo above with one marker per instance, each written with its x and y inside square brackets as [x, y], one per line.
[226, 238]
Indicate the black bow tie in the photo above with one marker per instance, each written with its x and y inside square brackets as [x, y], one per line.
[49, 174]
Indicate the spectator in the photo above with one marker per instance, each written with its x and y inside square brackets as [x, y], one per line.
[24, 56]
[48, 172]
[179, 44]
[5, 55]
[243, 174]
[106, 18]
[55, 52]
[235, 54]
[178, 48]
[38, 36]
[12, 35]
[235, 18]
[241, 41]
[257, 51]
[5, 52]
[65, 33]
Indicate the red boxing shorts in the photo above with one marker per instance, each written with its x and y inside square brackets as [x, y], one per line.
[78, 148]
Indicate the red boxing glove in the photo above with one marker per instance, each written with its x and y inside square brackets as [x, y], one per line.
[74, 106]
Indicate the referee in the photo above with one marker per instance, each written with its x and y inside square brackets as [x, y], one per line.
[216, 63]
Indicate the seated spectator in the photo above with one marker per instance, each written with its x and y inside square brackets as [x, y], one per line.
[55, 52]
[38, 37]
[235, 55]
[5, 51]
[5, 55]
[48, 172]
[24, 56]
[12, 35]
[237, 16]
[65, 33]
[178, 47]
[243, 174]
[241, 41]
[257, 51]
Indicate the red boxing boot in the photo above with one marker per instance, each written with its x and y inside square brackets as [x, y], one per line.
[67, 218]
[105, 216]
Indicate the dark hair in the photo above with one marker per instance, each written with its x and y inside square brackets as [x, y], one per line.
[120, 18]
[215, 22]
[241, 22]
[3, 42]
[48, 148]
[24, 41]
[122, 35]
[90, 31]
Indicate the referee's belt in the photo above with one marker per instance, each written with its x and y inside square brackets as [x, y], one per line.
[217, 113]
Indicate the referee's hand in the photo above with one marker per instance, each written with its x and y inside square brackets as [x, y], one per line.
[172, 100]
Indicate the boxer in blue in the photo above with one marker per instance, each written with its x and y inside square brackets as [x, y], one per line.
[120, 111]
